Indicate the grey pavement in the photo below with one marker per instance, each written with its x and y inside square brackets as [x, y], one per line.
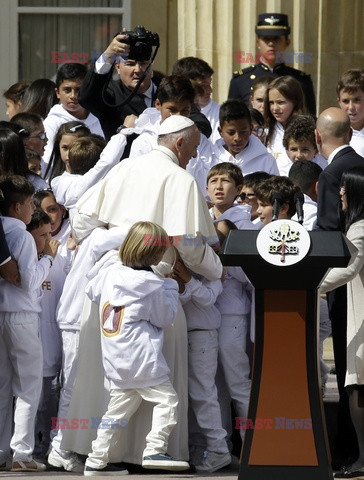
[229, 473]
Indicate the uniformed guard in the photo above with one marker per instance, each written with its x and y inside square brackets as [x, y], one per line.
[273, 38]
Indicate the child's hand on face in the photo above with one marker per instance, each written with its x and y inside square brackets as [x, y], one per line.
[181, 271]
[51, 247]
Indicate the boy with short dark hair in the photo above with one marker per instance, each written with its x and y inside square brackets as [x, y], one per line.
[265, 192]
[20, 345]
[200, 73]
[247, 194]
[224, 182]
[237, 144]
[68, 81]
[299, 140]
[175, 96]
[350, 95]
[305, 175]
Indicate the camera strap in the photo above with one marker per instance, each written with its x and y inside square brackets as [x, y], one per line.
[133, 92]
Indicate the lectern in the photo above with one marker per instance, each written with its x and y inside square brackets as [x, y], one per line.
[285, 436]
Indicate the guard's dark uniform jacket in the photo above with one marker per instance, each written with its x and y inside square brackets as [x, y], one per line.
[242, 81]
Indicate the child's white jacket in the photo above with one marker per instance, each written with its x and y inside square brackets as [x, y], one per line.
[198, 302]
[26, 297]
[255, 157]
[134, 306]
[56, 117]
[52, 290]
[68, 188]
[235, 298]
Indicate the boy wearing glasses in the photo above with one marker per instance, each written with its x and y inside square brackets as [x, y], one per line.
[247, 194]
[237, 143]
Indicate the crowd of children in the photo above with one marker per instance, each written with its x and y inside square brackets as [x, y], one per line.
[51, 154]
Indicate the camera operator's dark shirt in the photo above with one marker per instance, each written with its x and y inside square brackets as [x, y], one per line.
[90, 97]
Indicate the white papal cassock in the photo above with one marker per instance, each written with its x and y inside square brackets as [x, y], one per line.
[154, 188]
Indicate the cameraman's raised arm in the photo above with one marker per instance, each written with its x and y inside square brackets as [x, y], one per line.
[90, 96]
[130, 70]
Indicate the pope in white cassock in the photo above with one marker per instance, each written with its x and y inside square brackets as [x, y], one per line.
[154, 187]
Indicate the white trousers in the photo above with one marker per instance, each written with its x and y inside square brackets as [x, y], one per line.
[21, 370]
[122, 405]
[234, 363]
[202, 366]
[70, 339]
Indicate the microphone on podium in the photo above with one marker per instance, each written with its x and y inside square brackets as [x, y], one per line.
[299, 200]
[277, 201]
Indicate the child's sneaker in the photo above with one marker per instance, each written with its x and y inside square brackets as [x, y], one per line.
[197, 454]
[31, 466]
[213, 461]
[109, 470]
[70, 463]
[163, 461]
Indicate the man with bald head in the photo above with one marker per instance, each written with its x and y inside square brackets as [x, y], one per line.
[333, 134]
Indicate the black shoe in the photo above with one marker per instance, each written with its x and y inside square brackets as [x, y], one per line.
[349, 473]
[109, 470]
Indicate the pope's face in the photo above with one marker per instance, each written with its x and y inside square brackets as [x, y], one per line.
[187, 149]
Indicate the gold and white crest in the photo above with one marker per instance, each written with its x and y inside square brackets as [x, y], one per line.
[283, 242]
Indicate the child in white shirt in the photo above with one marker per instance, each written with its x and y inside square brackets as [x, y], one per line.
[224, 183]
[88, 162]
[20, 344]
[284, 98]
[234, 305]
[237, 143]
[198, 296]
[299, 142]
[55, 222]
[135, 305]
[350, 95]
[68, 80]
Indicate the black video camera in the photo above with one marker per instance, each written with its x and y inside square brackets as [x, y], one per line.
[141, 42]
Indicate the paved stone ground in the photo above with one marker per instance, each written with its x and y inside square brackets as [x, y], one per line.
[229, 473]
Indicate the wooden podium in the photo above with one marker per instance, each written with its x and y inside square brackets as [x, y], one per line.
[285, 436]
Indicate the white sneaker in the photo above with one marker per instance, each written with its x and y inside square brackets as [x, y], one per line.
[213, 461]
[71, 463]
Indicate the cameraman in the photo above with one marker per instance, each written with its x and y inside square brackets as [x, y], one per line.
[129, 69]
